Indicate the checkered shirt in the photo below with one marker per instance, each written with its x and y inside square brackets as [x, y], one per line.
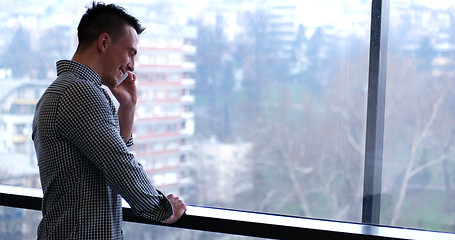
[84, 163]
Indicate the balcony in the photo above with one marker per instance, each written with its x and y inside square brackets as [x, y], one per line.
[189, 66]
[188, 99]
[189, 49]
[189, 82]
[21, 138]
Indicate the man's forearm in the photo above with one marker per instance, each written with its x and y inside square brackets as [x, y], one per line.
[126, 121]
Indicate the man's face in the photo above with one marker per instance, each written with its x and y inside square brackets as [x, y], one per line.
[119, 57]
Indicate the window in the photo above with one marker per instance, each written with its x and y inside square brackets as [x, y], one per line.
[170, 178]
[158, 146]
[174, 94]
[158, 163]
[159, 128]
[161, 43]
[172, 127]
[275, 107]
[160, 95]
[174, 76]
[173, 110]
[172, 145]
[173, 161]
[175, 59]
[161, 60]
[175, 43]
[419, 130]
[158, 179]
[158, 111]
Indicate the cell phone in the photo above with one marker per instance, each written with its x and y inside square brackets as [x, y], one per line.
[122, 78]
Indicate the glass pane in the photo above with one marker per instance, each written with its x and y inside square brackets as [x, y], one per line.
[255, 105]
[419, 124]
[279, 107]
[16, 223]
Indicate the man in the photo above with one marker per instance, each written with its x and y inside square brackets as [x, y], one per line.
[81, 141]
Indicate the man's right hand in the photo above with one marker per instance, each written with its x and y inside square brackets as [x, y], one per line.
[178, 208]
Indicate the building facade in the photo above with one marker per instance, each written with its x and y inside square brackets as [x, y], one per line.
[164, 125]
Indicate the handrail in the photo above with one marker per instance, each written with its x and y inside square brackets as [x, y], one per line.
[245, 223]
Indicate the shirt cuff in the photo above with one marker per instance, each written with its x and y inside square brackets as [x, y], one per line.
[130, 141]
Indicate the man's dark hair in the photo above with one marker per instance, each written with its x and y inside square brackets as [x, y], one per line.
[101, 18]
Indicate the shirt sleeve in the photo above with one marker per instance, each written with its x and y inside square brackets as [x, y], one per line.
[88, 120]
[130, 141]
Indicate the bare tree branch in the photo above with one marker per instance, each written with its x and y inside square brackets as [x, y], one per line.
[427, 165]
[416, 143]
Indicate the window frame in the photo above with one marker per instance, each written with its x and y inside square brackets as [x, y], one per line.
[245, 223]
[374, 138]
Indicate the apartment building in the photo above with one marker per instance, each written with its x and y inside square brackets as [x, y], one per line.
[17, 106]
[164, 124]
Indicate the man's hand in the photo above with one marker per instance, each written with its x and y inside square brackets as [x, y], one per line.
[126, 93]
[178, 207]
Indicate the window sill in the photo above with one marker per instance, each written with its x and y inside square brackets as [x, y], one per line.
[245, 223]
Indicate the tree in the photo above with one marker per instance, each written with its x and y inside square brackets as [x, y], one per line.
[419, 131]
[36, 62]
[17, 55]
[417, 136]
[425, 55]
[308, 149]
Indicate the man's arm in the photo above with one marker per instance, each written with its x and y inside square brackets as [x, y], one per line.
[126, 95]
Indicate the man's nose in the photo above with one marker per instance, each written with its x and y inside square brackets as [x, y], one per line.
[130, 66]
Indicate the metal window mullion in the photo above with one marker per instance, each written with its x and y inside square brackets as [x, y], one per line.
[375, 112]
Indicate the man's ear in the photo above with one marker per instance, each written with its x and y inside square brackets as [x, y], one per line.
[104, 40]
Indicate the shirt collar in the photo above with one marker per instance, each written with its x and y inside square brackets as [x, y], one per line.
[80, 69]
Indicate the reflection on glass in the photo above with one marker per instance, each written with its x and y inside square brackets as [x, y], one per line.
[419, 125]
